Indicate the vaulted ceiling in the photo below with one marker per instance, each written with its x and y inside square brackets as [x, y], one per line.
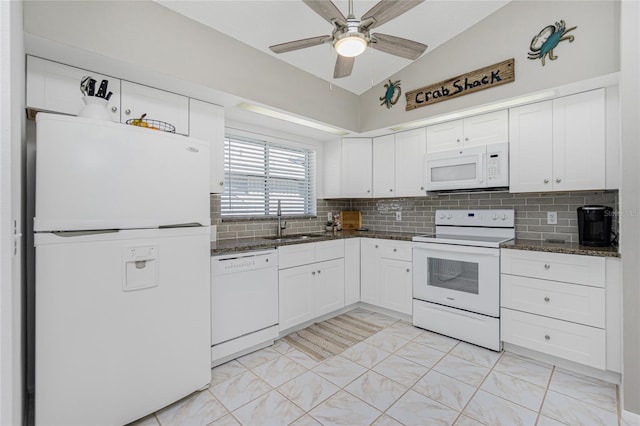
[262, 23]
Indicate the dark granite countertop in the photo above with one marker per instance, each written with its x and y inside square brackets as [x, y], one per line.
[262, 243]
[567, 248]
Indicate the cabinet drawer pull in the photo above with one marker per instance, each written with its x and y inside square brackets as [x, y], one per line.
[546, 298]
[547, 337]
[547, 266]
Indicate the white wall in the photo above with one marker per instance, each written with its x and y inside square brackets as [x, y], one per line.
[630, 202]
[507, 34]
[11, 286]
[157, 39]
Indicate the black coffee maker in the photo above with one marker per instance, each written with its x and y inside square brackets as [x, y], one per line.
[594, 226]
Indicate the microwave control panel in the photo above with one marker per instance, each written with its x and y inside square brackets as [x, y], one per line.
[497, 167]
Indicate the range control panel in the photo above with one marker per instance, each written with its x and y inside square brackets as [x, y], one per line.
[503, 218]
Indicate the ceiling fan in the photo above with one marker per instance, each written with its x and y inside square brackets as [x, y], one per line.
[351, 37]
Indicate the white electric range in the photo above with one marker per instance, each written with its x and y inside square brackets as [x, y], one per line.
[456, 275]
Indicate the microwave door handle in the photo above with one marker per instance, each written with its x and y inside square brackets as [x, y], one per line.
[482, 167]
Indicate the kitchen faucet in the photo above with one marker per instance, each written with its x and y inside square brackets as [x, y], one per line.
[281, 225]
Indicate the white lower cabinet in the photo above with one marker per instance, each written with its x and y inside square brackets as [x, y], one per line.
[556, 304]
[309, 284]
[386, 274]
[351, 271]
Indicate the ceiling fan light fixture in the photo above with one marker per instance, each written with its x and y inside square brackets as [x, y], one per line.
[351, 45]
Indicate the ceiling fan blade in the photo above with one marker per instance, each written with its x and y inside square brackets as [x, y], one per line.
[386, 10]
[327, 10]
[299, 44]
[397, 46]
[344, 66]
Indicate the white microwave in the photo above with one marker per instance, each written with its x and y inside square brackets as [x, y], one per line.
[484, 166]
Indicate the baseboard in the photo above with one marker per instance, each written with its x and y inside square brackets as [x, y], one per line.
[607, 376]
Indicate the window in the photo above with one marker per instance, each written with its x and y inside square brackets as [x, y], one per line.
[259, 173]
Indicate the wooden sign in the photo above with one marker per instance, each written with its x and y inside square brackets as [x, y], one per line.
[480, 79]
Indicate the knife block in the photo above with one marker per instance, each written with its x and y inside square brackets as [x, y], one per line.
[95, 108]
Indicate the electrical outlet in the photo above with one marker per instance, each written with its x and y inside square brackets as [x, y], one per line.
[552, 218]
[398, 215]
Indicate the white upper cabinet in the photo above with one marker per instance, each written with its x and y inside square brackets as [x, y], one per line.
[486, 128]
[55, 87]
[445, 136]
[384, 166]
[332, 157]
[410, 148]
[355, 168]
[477, 130]
[531, 147]
[207, 124]
[579, 141]
[158, 104]
[558, 145]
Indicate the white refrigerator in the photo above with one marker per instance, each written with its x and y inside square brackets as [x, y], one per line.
[122, 300]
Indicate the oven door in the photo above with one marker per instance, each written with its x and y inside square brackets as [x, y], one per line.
[456, 169]
[458, 276]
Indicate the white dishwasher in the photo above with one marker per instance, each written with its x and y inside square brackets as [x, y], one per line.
[244, 303]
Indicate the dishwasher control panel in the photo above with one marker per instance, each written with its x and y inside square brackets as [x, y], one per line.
[246, 261]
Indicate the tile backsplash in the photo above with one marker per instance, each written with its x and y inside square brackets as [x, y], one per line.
[418, 213]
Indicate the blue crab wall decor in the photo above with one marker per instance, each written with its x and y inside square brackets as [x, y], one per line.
[392, 93]
[548, 38]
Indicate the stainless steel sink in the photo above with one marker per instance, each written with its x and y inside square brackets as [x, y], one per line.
[294, 237]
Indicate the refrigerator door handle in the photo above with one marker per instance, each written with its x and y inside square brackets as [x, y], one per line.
[84, 233]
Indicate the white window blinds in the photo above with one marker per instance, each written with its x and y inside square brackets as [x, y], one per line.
[259, 173]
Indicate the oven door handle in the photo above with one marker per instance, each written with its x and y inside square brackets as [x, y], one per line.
[440, 249]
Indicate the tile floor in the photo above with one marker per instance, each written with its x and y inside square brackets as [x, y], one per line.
[400, 376]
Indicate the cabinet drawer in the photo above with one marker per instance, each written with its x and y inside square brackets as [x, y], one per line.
[326, 250]
[574, 342]
[577, 269]
[396, 252]
[570, 302]
[295, 255]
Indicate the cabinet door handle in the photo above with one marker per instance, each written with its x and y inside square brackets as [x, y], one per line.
[408, 270]
[547, 337]
[546, 298]
[313, 272]
[376, 246]
[422, 188]
[221, 183]
[395, 250]
[114, 108]
[558, 180]
[546, 181]
[127, 111]
[466, 139]
[457, 140]
[368, 191]
[391, 190]
[547, 266]
[319, 271]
